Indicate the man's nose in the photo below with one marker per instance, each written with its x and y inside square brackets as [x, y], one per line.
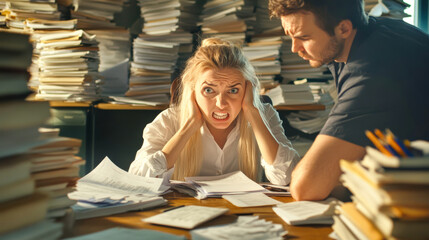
[296, 46]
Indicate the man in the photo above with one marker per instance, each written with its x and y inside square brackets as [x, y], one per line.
[381, 70]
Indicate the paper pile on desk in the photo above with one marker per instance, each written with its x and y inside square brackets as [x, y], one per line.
[307, 212]
[109, 190]
[246, 227]
[215, 186]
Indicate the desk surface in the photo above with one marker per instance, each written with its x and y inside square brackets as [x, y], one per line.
[133, 219]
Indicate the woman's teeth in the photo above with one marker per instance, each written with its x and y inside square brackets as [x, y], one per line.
[220, 116]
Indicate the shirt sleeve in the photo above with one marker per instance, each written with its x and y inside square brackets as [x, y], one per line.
[150, 161]
[286, 158]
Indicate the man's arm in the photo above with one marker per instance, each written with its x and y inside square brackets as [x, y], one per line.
[318, 171]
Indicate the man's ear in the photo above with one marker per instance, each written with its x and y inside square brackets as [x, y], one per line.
[344, 29]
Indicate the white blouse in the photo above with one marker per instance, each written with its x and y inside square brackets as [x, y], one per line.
[151, 162]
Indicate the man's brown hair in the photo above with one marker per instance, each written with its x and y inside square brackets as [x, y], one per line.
[328, 13]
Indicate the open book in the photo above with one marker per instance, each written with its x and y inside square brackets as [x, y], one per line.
[109, 190]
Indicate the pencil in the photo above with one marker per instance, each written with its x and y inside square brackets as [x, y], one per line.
[377, 143]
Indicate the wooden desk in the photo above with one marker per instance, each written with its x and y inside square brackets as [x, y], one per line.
[133, 219]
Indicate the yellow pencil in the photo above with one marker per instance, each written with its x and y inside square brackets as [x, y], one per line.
[376, 143]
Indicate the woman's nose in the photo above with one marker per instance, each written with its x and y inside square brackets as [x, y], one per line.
[221, 101]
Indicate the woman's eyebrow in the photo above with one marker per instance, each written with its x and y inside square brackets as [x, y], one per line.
[233, 85]
[210, 84]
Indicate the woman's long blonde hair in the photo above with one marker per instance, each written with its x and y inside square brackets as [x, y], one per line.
[216, 54]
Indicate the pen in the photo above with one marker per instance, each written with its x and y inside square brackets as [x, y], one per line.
[377, 143]
[172, 208]
[397, 144]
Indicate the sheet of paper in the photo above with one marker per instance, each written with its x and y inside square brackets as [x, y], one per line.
[186, 217]
[295, 212]
[251, 200]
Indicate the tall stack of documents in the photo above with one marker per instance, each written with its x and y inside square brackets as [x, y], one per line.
[294, 67]
[114, 50]
[387, 8]
[264, 23]
[108, 190]
[20, 205]
[105, 14]
[19, 11]
[161, 50]
[264, 55]
[390, 194]
[68, 63]
[228, 20]
[163, 17]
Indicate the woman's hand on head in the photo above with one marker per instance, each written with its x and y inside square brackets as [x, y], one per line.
[196, 115]
[248, 97]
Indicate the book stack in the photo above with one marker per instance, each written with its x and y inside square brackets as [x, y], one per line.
[387, 8]
[390, 194]
[68, 63]
[95, 14]
[228, 20]
[264, 53]
[21, 207]
[293, 67]
[55, 169]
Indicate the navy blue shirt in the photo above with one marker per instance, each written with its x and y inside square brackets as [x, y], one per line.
[384, 84]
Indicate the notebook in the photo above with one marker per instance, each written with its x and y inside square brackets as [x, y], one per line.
[187, 217]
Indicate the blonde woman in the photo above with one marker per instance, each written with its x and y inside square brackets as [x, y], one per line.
[219, 124]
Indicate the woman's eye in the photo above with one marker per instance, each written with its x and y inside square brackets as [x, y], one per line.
[233, 90]
[208, 90]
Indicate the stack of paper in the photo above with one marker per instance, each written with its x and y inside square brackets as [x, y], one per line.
[68, 65]
[264, 54]
[155, 61]
[108, 190]
[390, 196]
[167, 16]
[114, 50]
[288, 94]
[19, 11]
[246, 227]
[311, 122]
[215, 186]
[94, 14]
[55, 169]
[20, 204]
[307, 212]
[264, 23]
[228, 20]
